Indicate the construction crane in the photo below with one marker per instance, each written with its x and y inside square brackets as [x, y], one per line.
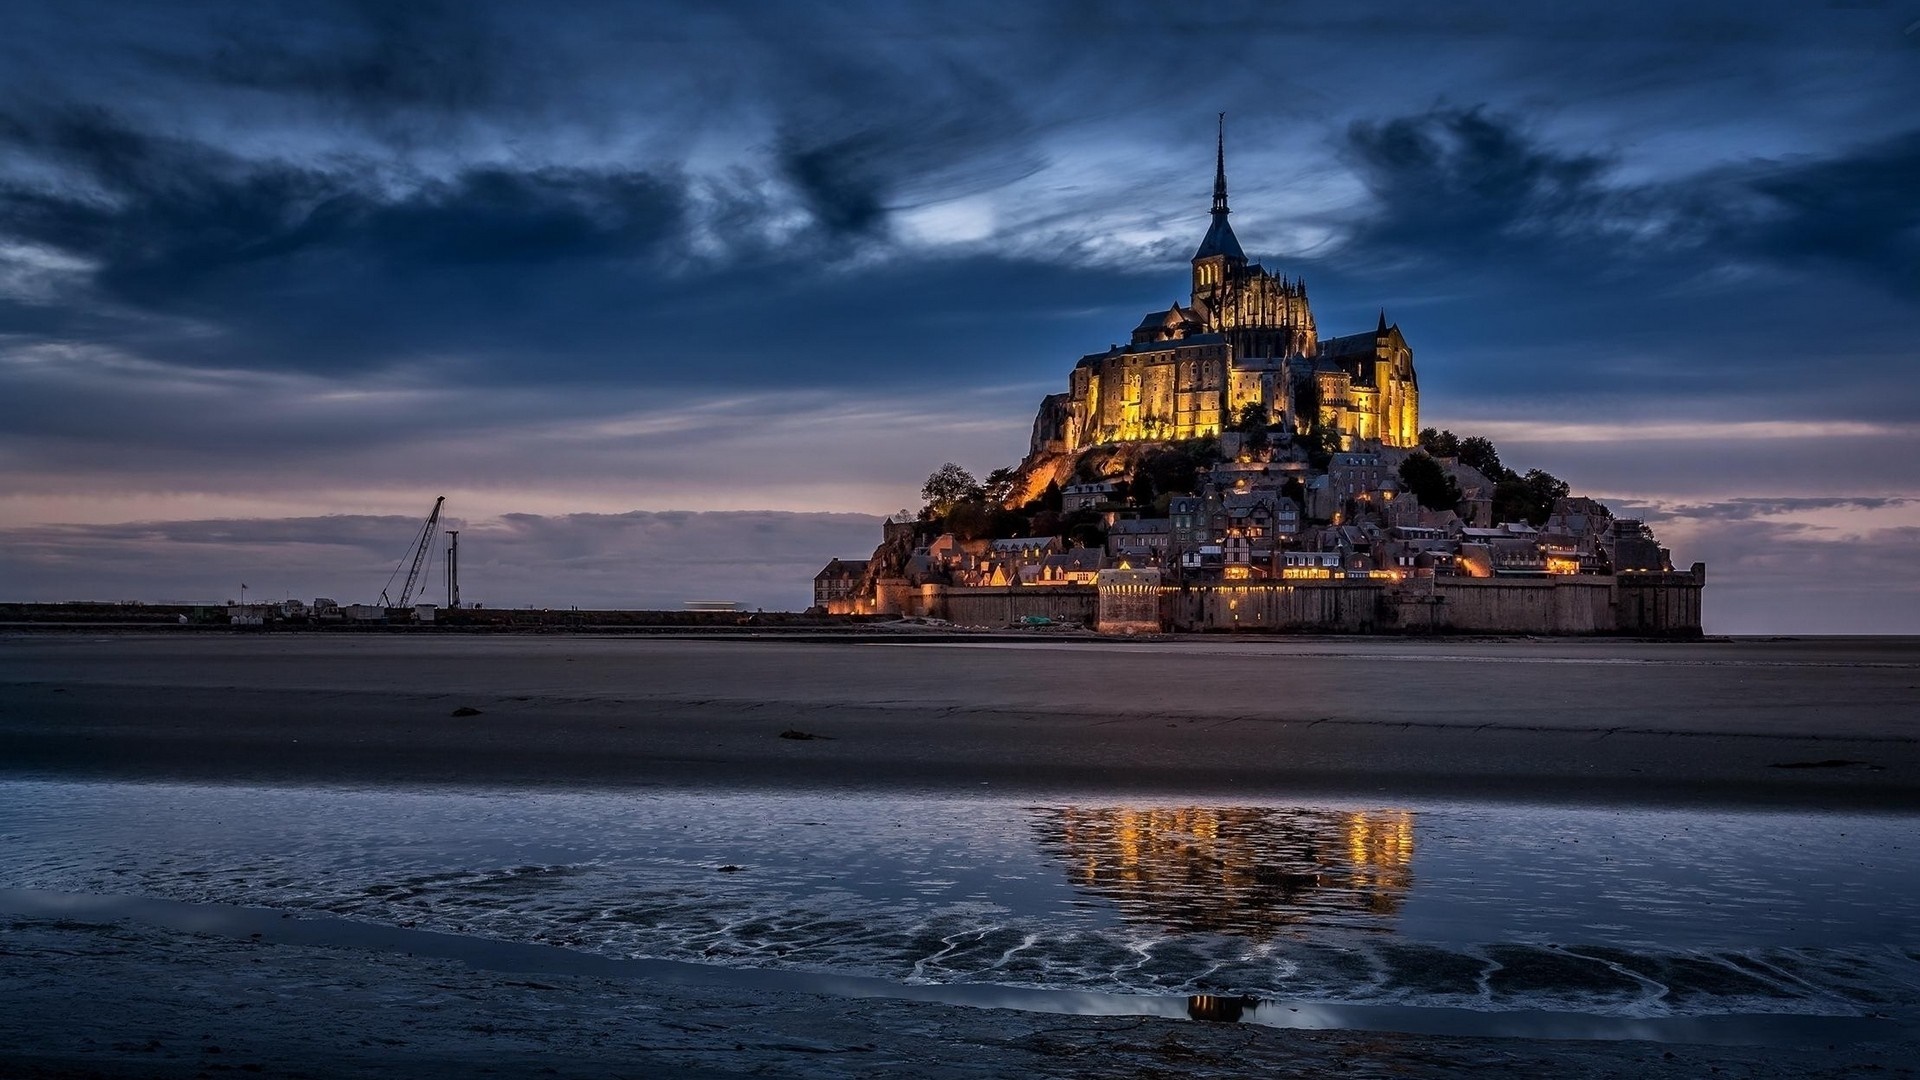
[418, 556]
[453, 570]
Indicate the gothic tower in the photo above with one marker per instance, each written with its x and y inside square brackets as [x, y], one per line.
[1219, 260]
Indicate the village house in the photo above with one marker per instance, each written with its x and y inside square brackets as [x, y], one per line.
[840, 579]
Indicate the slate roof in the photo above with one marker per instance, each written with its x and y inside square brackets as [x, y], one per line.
[1220, 241]
[1349, 345]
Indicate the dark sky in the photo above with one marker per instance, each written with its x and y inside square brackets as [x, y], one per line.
[274, 276]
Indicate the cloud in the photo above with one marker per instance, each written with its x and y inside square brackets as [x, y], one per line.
[632, 560]
[1453, 183]
[186, 251]
[86, 431]
[369, 57]
[286, 259]
[1752, 507]
[1855, 211]
[1701, 430]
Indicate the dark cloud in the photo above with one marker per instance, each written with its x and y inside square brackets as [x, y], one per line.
[1747, 509]
[343, 246]
[838, 181]
[1463, 185]
[1457, 181]
[647, 560]
[1856, 210]
[171, 221]
[531, 273]
[369, 57]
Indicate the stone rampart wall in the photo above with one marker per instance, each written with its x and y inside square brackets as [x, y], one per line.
[1582, 605]
[1640, 605]
[1653, 605]
[1005, 606]
[1326, 606]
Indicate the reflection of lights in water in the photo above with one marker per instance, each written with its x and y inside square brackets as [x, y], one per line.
[1240, 870]
[1219, 1010]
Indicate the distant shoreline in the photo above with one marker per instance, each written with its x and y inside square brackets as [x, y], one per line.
[873, 628]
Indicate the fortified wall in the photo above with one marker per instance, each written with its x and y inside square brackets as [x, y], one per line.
[1076, 604]
[1634, 605]
[1665, 605]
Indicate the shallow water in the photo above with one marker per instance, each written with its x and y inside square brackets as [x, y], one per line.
[1644, 914]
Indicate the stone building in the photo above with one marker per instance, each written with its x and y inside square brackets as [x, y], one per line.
[1243, 337]
[838, 582]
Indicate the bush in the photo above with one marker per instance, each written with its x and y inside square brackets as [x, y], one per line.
[1425, 480]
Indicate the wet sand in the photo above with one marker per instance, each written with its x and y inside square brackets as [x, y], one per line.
[1816, 723]
[1565, 722]
[133, 1001]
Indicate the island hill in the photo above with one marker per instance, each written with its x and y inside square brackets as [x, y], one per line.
[1231, 469]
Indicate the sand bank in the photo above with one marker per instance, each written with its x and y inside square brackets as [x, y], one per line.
[1823, 723]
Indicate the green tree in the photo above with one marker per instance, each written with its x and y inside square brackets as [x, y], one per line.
[1543, 490]
[1142, 490]
[1321, 445]
[969, 520]
[949, 484]
[1479, 453]
[1427, 481]
[999, 485]
[1440, 443]
[1252, 417]
[1306, 404]
[1528, 498]
[1174, 470]
[1087, 533]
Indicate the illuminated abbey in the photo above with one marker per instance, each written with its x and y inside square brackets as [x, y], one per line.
[1244, 337]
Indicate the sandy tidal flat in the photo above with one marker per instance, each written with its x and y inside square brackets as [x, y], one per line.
[1549, 843]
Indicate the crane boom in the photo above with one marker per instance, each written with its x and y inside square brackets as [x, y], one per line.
[419, 553]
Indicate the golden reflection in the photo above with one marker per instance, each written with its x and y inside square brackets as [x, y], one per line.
[1242, 870]
[1219, 1010]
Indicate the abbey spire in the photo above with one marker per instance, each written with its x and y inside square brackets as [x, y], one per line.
[1219, 259]
[1220, 169]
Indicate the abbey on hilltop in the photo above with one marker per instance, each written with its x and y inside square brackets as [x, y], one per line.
[1232, 470]
[1243, 338]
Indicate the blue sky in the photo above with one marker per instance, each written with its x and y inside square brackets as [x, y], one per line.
[274, 276]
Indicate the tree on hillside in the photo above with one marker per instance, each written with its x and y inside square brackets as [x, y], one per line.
[1440, 443]
[1306, 404]
[1543, 490]
[1176, 469]
[1528, 498]
[969, 520]
[1141, 489]
[1252, 417]
[1085, 528]
[1428, 482]
[1479, 453]
[999, 486]
[949, 484]
[1321, 445]
[1510, 501]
